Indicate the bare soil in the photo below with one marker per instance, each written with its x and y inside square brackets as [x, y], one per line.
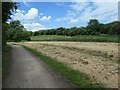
[98, 60]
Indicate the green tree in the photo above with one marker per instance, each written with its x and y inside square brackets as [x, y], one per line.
[36, 33]
[17, 36]
[115, 28]
[7, 9]
[60, 31]
[94, 26]
[17, 32]
[16, 25]
[72, 31]
[25, 35]
[82, 31]
[10, 33]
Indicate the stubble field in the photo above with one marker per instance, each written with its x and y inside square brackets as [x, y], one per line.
[98, 60]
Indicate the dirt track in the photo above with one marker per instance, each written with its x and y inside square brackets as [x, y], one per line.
[27, 71]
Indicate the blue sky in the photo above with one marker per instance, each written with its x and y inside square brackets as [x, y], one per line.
[44, 15]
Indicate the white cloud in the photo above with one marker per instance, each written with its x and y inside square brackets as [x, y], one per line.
[73, 21]
[45, 18]
[103, 12]
[83, 11]
[62, 19]
[34, 26]
[30, 15]
[79, 6]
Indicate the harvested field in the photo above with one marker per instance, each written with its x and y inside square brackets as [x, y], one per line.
[98, 60]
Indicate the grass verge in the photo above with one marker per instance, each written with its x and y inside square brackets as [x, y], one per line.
[79, 79]
[6, 60]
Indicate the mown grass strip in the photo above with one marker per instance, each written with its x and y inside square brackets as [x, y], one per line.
[79, 79]
[6, 60]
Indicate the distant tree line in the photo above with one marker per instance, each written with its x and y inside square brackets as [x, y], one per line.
[93, 28]
[17, 32]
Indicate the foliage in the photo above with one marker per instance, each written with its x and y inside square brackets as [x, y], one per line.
[115, 28]
[93, 28]
[7, 9]
[16, 25]
[16, 32]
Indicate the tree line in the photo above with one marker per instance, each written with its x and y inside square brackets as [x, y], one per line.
[93, 28]
[17, 32]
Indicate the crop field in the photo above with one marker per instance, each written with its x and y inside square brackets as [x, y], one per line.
[98, 60]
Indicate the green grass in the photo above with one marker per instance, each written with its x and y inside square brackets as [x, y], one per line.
[6, 60]
[49, 37]
[82, 38]
[97, 38]
[79, 79]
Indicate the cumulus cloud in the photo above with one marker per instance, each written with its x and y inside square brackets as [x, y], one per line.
[27, 18]
[83, 11]
[34, 26]
[45, 18]
[30, 15]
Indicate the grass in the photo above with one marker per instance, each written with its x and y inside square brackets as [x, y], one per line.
[6, 60]
[83, 38]
[79, 79]
[49, 37]
[98, 38]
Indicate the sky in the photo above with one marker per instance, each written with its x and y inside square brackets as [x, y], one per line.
[45, 15]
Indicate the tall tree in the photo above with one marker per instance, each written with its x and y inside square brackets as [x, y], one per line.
[94, 26]
[7, 9]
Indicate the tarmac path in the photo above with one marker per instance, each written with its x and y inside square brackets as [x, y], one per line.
[27, 71]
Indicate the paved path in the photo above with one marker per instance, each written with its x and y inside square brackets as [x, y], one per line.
[27, 71]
